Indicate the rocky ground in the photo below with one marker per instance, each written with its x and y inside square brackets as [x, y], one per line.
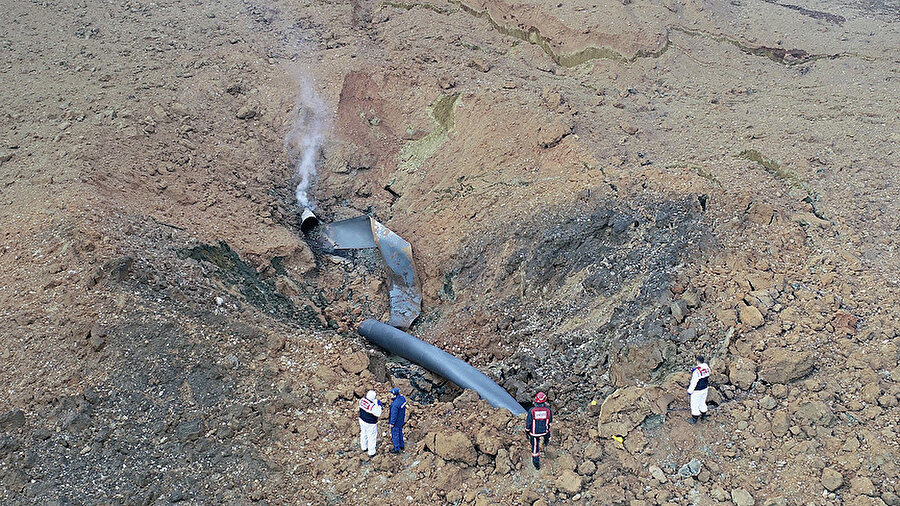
[594, 193]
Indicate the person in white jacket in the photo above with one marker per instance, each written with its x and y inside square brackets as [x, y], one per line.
[698, 389]
[369, 411]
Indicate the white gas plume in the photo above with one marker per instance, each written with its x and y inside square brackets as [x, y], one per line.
[303, 140]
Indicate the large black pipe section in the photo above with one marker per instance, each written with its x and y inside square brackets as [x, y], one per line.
[439, 362]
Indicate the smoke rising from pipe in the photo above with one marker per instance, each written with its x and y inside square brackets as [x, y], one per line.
[304, 138]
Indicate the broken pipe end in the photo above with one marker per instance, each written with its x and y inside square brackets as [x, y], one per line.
[308, 220]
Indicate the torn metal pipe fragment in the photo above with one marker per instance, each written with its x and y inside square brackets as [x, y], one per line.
[355, 233]
[439, 362]
[308, 220]
[365, 232]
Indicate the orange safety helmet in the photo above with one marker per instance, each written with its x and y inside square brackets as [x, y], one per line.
[540, 397]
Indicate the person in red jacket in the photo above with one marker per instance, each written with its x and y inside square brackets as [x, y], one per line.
[537, 425]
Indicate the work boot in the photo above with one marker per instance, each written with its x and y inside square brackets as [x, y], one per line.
[537, 463]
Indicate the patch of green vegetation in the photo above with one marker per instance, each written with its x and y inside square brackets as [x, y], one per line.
[409, 5]
[414, 153]
[772, 167]
[701, 171]
[533, 36]
[786, 176]
[787, 57]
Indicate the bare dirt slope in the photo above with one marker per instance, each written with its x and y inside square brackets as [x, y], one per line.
[594, 193]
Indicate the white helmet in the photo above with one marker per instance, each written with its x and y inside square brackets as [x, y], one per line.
[371, 395]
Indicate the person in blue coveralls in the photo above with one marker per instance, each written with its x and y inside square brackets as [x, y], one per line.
[397, 419]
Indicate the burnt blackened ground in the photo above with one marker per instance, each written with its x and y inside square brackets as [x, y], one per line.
[181, 406]
[228, 266]
[607, 267]
[186, 399]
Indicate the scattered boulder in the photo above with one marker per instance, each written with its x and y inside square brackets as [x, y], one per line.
[628, 128]
[8, 445]
[691, 298]
[480, 64]
[890, 498]
[15, 479]
[569, 482]
[781, 365]
[452, 446]
[870, 393]
[275, 342]
[761, 281]
[688, 335]
[447, 477]
[566, 462]
[587, 468]
[679, 310]
[502, 464]
[627, 407]
[608, 494]
[815, 413]
[75, 421]
[488, 441]
[657, 474]
[740, 497]
[845, 323]
[97, 338]
[831, 479]
[248, 110]
[862, 485]
[727, 317]
[780, 423]
[189, 431]
[286, 286]
[552, 98]
[718, 493]
[550, 134]
[742, 373]
[593, 451]
[760, 213]
[692, 468]
[355, 363]
[12, 419]
[634, 362]
[751, 316]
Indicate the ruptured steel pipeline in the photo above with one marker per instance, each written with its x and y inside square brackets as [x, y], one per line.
[439, 362]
